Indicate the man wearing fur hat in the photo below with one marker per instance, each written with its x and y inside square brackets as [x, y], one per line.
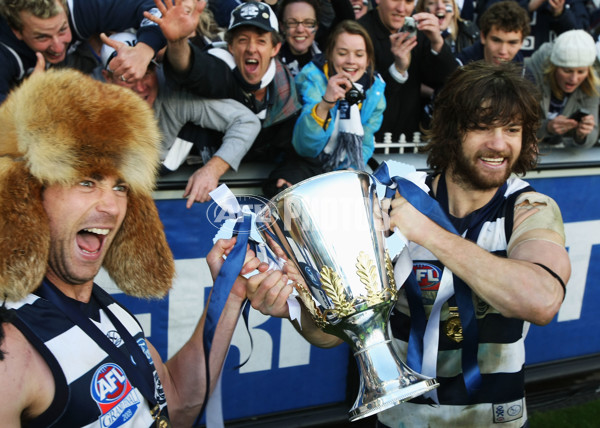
[77, 172]
[34, 33]
[564, 72]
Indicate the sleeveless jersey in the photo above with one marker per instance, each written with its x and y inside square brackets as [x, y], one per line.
[91, 389]
[501, 350]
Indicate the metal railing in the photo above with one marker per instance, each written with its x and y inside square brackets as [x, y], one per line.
[387, 146]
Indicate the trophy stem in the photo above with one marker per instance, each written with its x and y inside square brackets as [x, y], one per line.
[385, 380]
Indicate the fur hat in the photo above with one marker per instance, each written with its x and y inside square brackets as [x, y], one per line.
[574, 48]
[59, 127]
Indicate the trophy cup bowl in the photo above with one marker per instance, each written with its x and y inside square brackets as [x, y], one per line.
[330, 229]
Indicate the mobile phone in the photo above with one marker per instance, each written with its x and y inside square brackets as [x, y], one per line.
[579, 114]
[410, 26]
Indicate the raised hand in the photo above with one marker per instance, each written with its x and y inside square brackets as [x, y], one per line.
[177, 22]
[40, 64]
[131, 62]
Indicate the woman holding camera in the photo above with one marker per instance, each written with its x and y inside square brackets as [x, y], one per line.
[343, 102]
[564, 72]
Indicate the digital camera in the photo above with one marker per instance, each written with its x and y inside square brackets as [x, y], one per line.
[410, 26]
[354, 95]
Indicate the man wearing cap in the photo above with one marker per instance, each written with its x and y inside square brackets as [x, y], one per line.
[77, 173]
[247, 71]
[564, 72]
[40, 32]
[175, 108]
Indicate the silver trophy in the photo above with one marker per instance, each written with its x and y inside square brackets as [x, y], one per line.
[330, 229]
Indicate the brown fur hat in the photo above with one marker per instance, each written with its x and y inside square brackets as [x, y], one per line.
[59, 127]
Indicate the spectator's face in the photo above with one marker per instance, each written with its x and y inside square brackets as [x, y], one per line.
[569, 79]
[300, 25]
[146, 87]
[393, 12]
[500, 46]
[50, 36]
[83, 219]
[349, 56]
[359, 7]
[443, 10]
[188, 5]
[488, 156]
[252, 51]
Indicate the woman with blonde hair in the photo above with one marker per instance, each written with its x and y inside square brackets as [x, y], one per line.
[564, 72]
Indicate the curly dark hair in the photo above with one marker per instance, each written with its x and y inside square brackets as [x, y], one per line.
[483, 94]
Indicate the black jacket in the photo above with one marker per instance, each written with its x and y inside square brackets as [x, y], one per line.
[403, 112]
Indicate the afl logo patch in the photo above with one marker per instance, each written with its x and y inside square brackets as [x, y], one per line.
[428, 276]
[109, 384]
[116, 398]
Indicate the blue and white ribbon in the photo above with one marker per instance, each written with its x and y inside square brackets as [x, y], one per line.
[424, 334]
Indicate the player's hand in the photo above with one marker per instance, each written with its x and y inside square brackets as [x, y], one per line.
[216, 258]
[268, 293]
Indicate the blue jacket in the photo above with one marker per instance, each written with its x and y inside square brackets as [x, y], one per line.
[86, 18]
[309, 137]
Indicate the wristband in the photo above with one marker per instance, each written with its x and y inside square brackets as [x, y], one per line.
[555, 275]
[327, 101]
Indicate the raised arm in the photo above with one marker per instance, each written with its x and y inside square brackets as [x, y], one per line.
[240, 127]
[516, 286]
[177, 24]
[183, 375]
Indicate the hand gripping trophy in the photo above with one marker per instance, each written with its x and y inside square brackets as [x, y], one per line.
[330, 229]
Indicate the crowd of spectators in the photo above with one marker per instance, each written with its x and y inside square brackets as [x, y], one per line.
[233, 81]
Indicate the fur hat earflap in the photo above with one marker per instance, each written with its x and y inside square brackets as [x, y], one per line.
[59, 127]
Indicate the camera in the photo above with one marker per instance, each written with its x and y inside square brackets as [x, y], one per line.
[354, 95]
[410, 26]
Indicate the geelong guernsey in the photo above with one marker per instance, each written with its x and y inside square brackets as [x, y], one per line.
[92, 390]
[501, 351]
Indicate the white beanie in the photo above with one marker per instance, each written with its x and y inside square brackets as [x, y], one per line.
[575, 48]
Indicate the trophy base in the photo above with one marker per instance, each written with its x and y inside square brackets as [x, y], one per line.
[392, 398]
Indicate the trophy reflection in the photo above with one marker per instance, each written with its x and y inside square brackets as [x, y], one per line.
[330, 230]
